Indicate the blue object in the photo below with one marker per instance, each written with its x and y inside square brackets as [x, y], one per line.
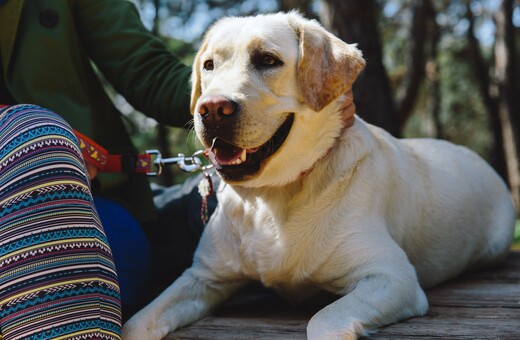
[130, 249]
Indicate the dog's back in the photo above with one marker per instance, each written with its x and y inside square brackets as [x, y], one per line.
[465, 217]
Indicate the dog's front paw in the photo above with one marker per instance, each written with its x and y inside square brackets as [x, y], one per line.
[320, 328]
[141, 329]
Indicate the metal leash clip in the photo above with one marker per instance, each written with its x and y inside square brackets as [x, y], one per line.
[185, 163]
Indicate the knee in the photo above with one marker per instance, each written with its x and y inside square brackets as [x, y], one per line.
[33, 112]
[28, 130]
[38, 141]
[25, 121]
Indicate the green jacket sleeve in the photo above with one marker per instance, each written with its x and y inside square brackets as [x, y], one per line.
[135, 62]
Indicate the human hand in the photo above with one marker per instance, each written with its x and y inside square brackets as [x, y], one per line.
[92, 170]
[348, 109]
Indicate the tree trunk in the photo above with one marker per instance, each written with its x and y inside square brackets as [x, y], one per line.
[422, 13]
[304, 6]
[504, 74]
[433, 69]
[355, 21]
[482, 71]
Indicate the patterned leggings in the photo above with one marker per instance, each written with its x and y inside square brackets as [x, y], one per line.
[57, 276]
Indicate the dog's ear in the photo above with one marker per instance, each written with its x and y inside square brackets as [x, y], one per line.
[327, 66]
[195, 77]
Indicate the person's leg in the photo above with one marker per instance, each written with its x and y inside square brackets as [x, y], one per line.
[57, 276]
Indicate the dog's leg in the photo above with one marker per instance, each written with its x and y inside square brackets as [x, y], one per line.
[375, 301]
[188, 299]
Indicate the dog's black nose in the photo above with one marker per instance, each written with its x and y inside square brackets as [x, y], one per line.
[217, 106]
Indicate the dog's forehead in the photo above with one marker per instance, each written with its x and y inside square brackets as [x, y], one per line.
[268, 32]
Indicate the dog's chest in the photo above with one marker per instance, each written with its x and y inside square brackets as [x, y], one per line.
[274, 242]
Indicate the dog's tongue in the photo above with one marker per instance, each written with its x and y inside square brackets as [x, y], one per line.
[224, 153]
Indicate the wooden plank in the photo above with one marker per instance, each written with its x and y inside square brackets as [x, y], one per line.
[480, 305]
[444, 322]
[476, 294]
[441, 322]
[457, 323]
[243, 328]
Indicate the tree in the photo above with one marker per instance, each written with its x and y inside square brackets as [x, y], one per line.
[304, 6]
[505, 59]
[356, 22]
[498, 86]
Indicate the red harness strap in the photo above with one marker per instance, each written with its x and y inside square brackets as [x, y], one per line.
[105, 162]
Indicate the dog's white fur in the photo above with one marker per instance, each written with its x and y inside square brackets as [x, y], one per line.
[352, 211]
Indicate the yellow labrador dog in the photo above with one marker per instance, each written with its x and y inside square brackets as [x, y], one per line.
[307, 205]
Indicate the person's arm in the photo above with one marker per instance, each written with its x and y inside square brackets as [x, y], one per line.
[133, 60]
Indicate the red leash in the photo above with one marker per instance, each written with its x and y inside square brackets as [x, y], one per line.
[105, 162]
[149, 163]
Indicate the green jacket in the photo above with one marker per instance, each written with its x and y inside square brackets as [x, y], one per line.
[47, 52]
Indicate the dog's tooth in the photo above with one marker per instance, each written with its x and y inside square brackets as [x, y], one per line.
[243, 156]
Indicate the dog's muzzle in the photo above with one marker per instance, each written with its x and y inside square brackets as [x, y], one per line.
[237, 164]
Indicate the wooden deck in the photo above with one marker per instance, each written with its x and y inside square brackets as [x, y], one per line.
[481, 305]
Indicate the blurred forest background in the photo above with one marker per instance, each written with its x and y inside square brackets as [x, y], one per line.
[443, 69]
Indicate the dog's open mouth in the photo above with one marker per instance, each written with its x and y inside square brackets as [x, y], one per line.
[235, 163]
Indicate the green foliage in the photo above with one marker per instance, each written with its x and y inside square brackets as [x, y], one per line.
[516, 242]
[463, 117]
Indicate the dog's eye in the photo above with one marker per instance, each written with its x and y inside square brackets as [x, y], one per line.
[268, 60]
[265, 60]
[208, 65]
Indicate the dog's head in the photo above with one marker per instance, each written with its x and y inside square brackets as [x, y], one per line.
[265, 95]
